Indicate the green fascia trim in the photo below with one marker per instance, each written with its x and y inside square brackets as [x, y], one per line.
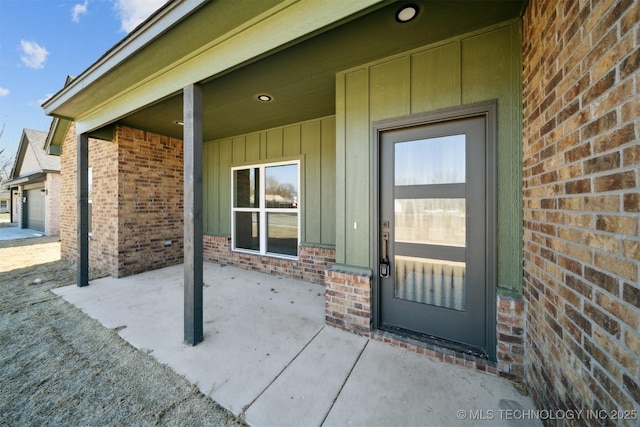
[289, 21]
[57, 133]
[54, 150]
[107, 133]
[351, 269]
[510, 294]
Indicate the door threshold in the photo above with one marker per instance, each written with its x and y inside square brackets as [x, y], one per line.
[439, 345]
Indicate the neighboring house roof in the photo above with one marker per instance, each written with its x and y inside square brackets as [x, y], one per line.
[32, 163]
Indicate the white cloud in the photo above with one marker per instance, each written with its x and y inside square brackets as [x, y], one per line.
[79, 10]
[33, 55]
[132, 12]
[4, 92]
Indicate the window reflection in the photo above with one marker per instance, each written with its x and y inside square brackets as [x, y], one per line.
[246, 181]
[431, 221]
[430, 161]
[281, 187]
[282, 233]
[247, 232]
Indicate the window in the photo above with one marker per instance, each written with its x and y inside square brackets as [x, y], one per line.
[265, 209]
[3, 204]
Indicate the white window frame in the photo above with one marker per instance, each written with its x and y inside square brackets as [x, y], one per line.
[262, 210]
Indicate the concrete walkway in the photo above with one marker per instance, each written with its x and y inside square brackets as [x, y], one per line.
[268, 356]
[10, 231]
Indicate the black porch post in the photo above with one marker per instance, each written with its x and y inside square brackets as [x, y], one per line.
[193, 323]
[83, 209]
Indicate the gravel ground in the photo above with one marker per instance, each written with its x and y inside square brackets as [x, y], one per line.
[60, 367]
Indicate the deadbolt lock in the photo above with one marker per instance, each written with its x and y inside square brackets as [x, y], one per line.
[384, 269]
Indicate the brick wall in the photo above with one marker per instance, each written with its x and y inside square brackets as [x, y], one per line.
[103, 245]
[68, 205]
[348, 301]
[510, 337]
[52, 204]
[150, 201]
[581, 203]
[137, 202]
[310, 266]
[104, 233]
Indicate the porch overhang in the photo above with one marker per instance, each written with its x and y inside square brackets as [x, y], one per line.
[103, 93]
[291, 49]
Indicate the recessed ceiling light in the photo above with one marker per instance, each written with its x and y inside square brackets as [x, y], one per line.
[406, 13]
[265, 98]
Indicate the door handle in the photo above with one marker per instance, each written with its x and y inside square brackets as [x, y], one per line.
[385, 267]
[385, 241]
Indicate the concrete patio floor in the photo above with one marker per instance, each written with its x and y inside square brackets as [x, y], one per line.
[268, 356]
[10, 231]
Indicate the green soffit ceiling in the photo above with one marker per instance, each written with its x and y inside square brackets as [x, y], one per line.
[300, 76]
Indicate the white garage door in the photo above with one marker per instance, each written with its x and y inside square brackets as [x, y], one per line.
[34, 209]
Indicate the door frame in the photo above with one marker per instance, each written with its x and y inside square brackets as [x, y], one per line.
[488, 110]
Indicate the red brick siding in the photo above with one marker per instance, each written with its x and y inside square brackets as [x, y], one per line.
[510, 336]
[310, 265]
[137, 202]
[68, 242]
[103, 162]
[348, 301]
[52, 204]
[150, 201]
[581, 203]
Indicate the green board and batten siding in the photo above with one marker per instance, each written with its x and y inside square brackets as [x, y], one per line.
[476, 67]
[313, 142]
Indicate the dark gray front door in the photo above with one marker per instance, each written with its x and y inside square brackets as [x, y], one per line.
[433, 230]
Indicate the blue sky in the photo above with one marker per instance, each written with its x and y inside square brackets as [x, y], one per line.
[44, 41]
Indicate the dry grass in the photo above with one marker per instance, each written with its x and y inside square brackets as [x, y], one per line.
[59, 367]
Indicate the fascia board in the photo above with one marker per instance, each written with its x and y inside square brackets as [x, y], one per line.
[290, 21]
[57, 132]
[36, 176]
[166, 18]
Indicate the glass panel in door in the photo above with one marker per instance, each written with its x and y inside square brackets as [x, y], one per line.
[424, 164]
